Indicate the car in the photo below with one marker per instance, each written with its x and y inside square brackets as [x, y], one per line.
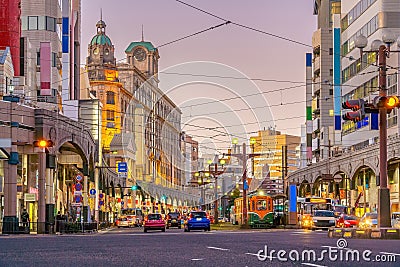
[396, 219]
[369, 220]
[323, 219]
[125, 221]
[197, 220]
[154, 221]
[347, 221]
[174, 220]
[222, 219]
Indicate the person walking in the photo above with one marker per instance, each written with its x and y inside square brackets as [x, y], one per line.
[25, 218]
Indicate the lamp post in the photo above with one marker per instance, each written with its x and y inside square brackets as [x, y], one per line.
[215, 173]
[383, 52]
[200, 175]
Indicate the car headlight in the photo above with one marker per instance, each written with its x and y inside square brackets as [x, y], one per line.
[315, 220]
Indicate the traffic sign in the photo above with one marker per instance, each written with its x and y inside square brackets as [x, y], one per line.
[101, 202]
[78, 199]
[122, 174]
[79, 178]
[78, 186]
[92, 191]
[101, 195]
[122, 203]
[122, 167]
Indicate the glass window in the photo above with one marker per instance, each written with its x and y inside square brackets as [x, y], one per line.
[50, 24]
[110, 115]
[38, 58]
[261, 205]
[110, 98]
[42, 23]
[32, 23]
[24, 23]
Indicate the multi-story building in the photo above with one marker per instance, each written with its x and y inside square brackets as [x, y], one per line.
[359, 74]
[157, 118]
[191, 158]
[355, 76]
[279, 158]
[320, 100]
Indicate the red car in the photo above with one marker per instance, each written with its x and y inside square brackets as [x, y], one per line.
[346, 221]
[154, 221]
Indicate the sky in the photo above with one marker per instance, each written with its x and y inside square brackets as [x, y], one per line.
[237, 107]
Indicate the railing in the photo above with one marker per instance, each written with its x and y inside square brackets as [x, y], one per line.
[51, 228]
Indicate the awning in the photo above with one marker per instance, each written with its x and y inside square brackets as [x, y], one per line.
[4, 154]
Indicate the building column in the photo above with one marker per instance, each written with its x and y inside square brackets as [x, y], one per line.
[96, 202]
[10, 220]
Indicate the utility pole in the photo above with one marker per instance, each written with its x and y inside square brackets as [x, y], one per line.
[383, 191]
[244, 157]
[215, 173]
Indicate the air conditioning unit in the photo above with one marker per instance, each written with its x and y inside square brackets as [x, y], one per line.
[37, 68]
[59, 20]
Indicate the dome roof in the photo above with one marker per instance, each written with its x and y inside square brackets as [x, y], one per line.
[101, 39]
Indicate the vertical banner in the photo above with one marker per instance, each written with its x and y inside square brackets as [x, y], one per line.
[309, 119]
[292, 204]
[45, 69]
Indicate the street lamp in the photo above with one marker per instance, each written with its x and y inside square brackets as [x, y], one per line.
[215, 173]
[200, 175]
[383, 52]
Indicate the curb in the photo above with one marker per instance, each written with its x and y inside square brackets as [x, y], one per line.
[358, 233]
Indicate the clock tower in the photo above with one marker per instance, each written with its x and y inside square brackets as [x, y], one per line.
[101, 63]
[144, 56]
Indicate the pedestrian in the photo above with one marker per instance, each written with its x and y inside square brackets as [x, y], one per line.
[25, 218]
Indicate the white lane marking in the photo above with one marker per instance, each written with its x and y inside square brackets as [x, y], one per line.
[218, 248]
[197, 259]
[390, 253]
[315, 265]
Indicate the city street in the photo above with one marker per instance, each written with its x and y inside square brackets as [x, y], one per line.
[132, 247]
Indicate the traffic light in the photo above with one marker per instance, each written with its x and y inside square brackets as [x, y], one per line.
[43, 143]
[358, 110]
[389, 102]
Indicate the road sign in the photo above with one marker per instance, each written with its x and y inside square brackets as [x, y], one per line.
[78, 186]
[122, 167]
[76, 204]
[78, 199]
[101, 195]
[101, 202]
[122, 203]
[79, 178]
[92, 191]
[122, 174]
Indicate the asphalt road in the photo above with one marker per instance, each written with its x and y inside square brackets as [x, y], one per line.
[132, 247]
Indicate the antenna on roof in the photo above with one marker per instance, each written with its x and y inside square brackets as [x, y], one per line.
[101, 14]
[142, 34]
